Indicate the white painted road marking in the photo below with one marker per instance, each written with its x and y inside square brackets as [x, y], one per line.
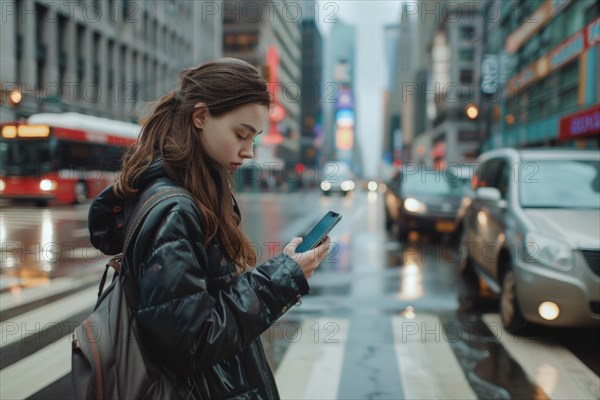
[552, 367]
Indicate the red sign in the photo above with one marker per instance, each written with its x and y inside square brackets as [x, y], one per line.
[581, 124]
[276, 113]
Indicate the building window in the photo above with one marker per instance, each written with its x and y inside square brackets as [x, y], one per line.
[242, 42]
[123, 73]
[572, 20]
[467, 32]
[63, 25]
[41, 49]
[80, 68]
[19, 41]
[466, 76]
[467, 55]
[592, 12]
[112, 9]
[111, 73]
[96, 63]
[568, 81]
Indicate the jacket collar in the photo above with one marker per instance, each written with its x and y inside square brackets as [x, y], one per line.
[155, 171]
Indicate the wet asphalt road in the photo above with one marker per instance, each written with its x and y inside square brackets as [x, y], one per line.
[383, 320]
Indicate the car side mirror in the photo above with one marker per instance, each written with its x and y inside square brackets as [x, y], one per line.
[491, 195]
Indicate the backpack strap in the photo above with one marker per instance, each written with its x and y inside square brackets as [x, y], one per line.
[145, 206]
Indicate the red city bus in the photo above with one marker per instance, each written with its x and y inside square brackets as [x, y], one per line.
[65, 158]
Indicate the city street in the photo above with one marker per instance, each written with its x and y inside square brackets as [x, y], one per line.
[383, 320]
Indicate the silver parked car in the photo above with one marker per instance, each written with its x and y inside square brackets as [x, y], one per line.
[531, 232]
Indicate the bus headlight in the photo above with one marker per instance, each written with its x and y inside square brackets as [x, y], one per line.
[2, 185]
[47, 185]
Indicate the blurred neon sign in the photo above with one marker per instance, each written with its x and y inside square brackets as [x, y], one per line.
[584, 123]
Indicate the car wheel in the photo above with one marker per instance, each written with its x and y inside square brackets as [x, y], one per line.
[388, 221]
[81, 193]
[403, 235]
[510, 311]
[470, 290]
[464, 260]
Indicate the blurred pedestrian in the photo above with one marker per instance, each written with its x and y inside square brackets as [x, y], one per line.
[202, 301]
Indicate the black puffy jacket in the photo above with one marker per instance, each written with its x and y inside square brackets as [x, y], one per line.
[196, 312]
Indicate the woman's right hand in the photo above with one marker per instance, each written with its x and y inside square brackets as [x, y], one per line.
[309, 260]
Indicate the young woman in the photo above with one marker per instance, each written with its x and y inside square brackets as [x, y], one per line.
[203, 303]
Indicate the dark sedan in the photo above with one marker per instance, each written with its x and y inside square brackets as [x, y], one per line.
[424, 201]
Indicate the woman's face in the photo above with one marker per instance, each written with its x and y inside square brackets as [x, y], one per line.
[228, 138]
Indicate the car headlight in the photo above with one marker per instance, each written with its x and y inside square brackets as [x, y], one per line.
[414, 206]
[47, 185]
[325, 186]
[548, 251]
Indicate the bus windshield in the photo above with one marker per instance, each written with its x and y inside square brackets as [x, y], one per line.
[24, 157]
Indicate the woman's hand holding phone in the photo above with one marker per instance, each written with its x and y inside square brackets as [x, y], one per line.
[309, 260]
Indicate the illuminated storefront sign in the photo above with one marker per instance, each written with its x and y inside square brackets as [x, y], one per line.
[345, 118]
[344, 138]
[277, 112]
[581, 124]
[344, 99]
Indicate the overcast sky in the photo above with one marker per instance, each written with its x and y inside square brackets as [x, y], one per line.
[369, 17]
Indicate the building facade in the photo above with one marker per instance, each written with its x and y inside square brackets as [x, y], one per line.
[552, 92]
[311, 131]
[453, 87]
[102, 57]
[339, 98]
[409, 57]
[267, 35]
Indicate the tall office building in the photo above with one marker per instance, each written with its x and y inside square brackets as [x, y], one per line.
[311, 131]
[453, 88]
[267, 35]
[410, 66]
[102, 57]
[339, 94]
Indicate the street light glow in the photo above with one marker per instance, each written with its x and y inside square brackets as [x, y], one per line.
[472, 111]
[15, 97]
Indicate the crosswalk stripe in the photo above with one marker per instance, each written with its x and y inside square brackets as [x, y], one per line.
[312, 366]
[41, 318]
[28, 295]
[428, 367]
[555, 369]
[81, 232]
[37, 371]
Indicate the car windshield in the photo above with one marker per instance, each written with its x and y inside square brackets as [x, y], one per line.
[560, 184]
[428, 183]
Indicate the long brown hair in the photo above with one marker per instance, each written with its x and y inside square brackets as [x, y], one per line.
[222, 85]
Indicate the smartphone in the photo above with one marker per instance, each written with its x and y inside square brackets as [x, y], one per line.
[319, 232]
